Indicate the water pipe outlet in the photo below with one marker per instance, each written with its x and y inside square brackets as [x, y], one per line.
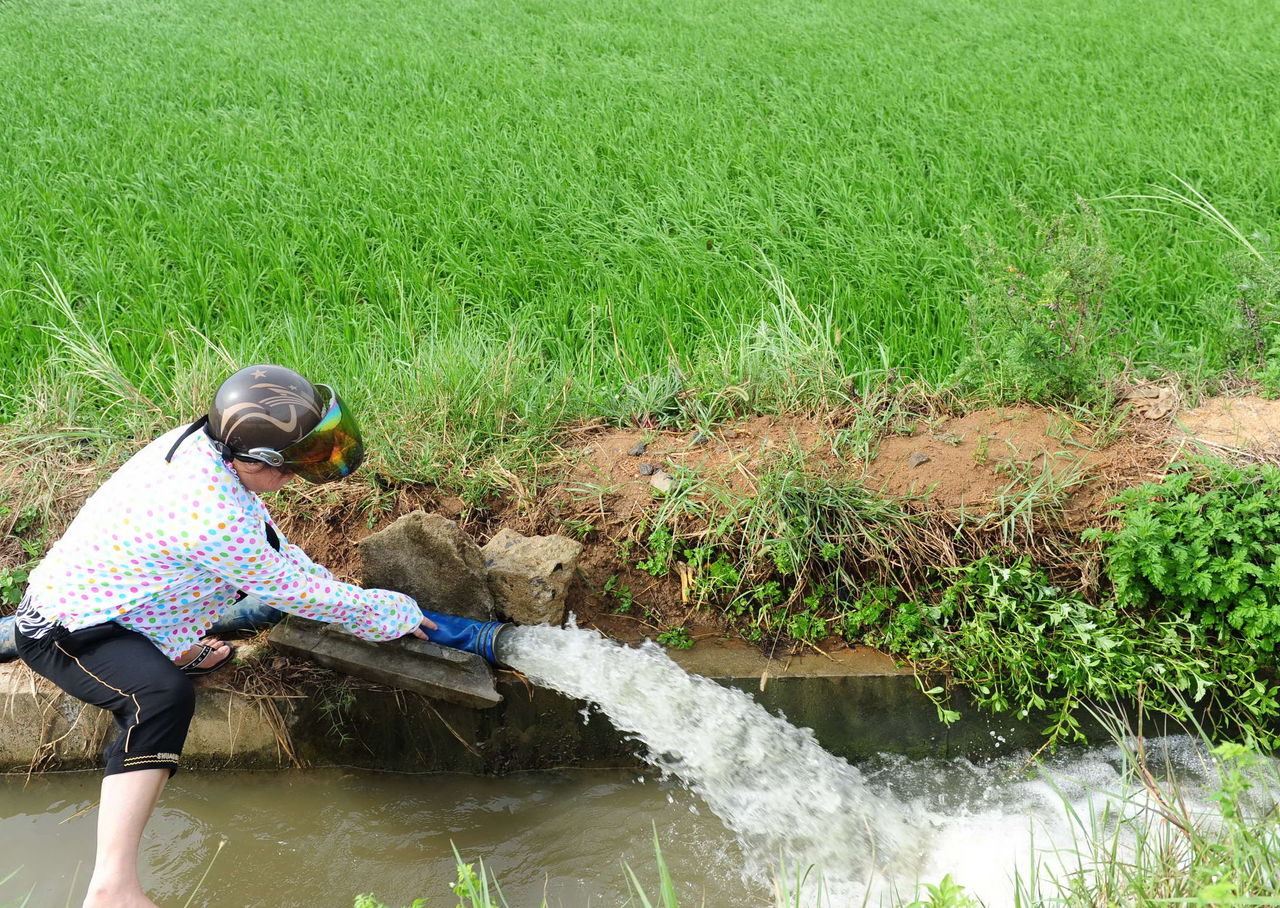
[466, 634]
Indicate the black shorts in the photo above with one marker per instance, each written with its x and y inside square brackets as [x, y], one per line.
[123, 672]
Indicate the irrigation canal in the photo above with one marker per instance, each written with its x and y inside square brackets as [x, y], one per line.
[728, 789]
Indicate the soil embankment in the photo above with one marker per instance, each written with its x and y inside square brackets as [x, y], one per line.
[960, 474]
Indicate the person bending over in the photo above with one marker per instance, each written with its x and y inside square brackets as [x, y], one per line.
[116, 613]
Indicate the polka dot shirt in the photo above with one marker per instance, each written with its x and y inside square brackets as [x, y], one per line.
[162, 548]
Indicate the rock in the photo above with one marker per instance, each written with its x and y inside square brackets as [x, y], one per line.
[697, 438]
[428, 557]
[529, 575]
[639, 449]
[646, 469]
[917, 458]
[661, 481]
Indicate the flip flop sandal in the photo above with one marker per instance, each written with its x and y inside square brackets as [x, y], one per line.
[199, 665]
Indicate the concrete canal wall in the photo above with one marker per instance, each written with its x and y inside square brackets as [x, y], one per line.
[857, 703]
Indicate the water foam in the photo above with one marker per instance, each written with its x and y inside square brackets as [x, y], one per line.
[771, 783]
[873, 834]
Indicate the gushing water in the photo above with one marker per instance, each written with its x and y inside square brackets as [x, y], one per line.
[770, 782]
[873, 835]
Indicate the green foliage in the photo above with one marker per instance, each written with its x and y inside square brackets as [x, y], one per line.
[1018, 644]
[946, 893]
[620, 593]
[807, 626]
[774, 563]
[1038, 325]
[1203, 543]
[661, 548]
[334, 704]
[624, 240]
[12, 582]
[368, 901]
[676, 638]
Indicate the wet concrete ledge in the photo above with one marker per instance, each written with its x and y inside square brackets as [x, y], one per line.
[857, 703]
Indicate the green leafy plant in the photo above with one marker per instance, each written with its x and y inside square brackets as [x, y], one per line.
[1204, 543]
[946, 893]
[12, 582]
[661, 549]
[676, 638]
[620, 593]
[1017, 643]
[807, 626]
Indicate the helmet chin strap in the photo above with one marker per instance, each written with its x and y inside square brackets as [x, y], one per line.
[224, 450]
[191, 429]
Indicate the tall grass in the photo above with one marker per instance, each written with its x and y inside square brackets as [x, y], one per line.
[480, 218]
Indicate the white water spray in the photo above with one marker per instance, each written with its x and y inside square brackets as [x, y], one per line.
[770, 782]
[873, 835]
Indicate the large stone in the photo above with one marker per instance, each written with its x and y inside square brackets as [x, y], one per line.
[528, 575]
[428, 557]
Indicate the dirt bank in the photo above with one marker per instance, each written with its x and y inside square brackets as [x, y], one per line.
[962, 472]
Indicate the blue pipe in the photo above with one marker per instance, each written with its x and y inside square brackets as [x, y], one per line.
[465, 634]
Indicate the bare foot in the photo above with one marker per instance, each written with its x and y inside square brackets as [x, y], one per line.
[107, 896]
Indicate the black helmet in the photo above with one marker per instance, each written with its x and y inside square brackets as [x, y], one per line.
[275, 416]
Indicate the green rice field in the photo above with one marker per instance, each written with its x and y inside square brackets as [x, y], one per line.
[480, 217]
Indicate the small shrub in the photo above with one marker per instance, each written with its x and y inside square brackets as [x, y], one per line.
[661, 549]
[620, 593]
[1037, 321]
[1204, 542]
[12, 582]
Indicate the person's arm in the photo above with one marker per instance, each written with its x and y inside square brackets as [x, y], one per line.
[299, 557]
[236, 550]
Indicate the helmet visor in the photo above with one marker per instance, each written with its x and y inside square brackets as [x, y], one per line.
[330, 451]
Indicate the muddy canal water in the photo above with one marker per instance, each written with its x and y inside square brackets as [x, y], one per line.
[319, 838]
[733, 791]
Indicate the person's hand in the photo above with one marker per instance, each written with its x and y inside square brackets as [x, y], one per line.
[422, 634]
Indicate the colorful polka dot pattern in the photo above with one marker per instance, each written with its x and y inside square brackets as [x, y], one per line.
[163, 547]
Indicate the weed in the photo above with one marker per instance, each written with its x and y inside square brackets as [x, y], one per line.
[980, 450]
[801, 538]
[661, 548]
[579, 527]
[946, 893]
[1038, 488]
[676, 638]
[807, 626]
[1038, 327]
[12, 583]
[1201, 543]
[620, 593]
[334, 704]
[1019, 644]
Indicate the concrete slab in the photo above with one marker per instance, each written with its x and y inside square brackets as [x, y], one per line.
[45, 728]
[410, 664]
